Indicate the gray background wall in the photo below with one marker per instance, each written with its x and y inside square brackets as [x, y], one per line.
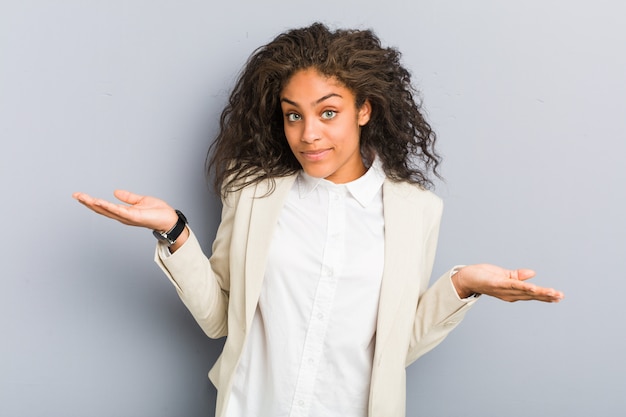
[528, 99]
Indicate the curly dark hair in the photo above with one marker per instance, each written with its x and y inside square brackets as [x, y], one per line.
[251, 145]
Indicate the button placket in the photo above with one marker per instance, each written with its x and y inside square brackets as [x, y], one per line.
[332, 262]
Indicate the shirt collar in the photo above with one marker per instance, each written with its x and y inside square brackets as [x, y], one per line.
[363, 189]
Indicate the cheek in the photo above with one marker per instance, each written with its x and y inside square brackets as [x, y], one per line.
[350, 135]
[290, 134]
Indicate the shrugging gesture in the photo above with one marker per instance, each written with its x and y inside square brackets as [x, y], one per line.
[317, 104]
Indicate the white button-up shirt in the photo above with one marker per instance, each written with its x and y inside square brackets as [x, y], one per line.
[310, 348]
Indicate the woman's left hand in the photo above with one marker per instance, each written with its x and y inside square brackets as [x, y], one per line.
[505, 284]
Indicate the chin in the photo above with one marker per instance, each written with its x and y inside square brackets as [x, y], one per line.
[316, 171]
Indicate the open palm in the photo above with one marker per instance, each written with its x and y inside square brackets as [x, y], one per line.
[137, 210]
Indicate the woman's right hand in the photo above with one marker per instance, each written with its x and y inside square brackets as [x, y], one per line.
[141, 211]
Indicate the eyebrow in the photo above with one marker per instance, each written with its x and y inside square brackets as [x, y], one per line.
[318, 101]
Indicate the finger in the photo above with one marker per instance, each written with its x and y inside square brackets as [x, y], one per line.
[105, 208]
[548, 294]
[535, 293]
[82, 197]
[119, 212]
[546, 298]
[127, 196]
[522, 274]
[88, 201]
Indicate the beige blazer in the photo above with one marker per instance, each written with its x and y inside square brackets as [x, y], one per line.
[222, 292]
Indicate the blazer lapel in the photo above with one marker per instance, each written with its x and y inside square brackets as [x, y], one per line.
[263, 217]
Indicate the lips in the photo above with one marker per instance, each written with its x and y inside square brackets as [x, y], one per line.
[315, 155]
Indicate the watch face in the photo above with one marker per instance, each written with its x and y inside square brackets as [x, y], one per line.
[161, 236]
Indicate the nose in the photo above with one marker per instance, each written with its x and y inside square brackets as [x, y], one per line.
[311, 131]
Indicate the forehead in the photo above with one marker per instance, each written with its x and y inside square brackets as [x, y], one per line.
[310, 83]
[313, 78]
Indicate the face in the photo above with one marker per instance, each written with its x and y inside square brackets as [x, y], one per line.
[323, 126]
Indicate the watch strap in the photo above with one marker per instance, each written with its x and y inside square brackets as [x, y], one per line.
[171, 235]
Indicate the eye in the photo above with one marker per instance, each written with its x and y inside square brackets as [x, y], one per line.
[293, 117]
[328, 114]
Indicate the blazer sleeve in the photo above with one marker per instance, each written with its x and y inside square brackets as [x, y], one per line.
[203, 284]
[439, 308]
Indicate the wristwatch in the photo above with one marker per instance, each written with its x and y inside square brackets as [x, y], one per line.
[171, 235]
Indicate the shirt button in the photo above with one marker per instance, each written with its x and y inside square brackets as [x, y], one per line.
[320, 316]
[300, 403]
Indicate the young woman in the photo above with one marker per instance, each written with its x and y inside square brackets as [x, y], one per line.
[319, 271]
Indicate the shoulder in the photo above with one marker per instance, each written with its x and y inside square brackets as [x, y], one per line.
[410, 210]
[263, 188]
[403, 192]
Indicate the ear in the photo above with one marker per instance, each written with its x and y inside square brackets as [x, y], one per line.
[365, 111]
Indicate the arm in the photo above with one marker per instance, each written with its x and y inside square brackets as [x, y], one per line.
[204, 284]
[439, 308]
[443, 305]
[201, 284]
